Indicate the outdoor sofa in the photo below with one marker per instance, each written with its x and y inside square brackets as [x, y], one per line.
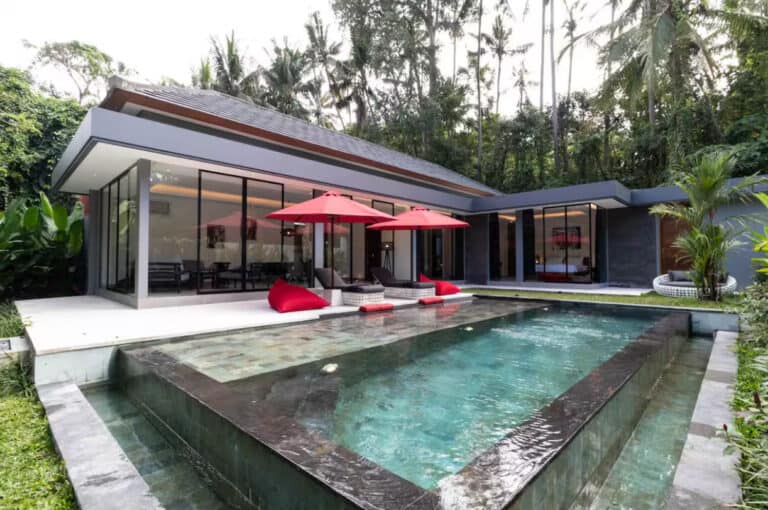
[403, 289]
[680, 284]
[351, 294]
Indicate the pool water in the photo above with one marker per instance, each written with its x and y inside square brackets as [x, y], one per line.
[643, 473]
[423, 408]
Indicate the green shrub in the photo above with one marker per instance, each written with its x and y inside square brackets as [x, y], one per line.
[39, 246]
[10, 321]
[751, 435]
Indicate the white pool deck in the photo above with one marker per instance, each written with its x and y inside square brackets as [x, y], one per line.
[577, 288]
[84, 322]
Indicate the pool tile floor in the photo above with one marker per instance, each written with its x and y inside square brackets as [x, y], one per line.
[168, 474]
[235, 356]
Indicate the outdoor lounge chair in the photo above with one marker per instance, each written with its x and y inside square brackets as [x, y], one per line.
[351, 294]
[404, 289]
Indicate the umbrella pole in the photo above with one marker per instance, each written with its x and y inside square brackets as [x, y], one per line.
[333, 268]
[413, 254]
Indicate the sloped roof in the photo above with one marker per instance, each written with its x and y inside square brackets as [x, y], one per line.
[246, 113]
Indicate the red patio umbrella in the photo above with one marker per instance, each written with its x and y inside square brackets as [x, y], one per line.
[419, 218]
[331, 207]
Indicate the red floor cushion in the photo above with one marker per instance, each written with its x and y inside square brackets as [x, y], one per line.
[433, 300]
[442, 288]
[285, 297]
[376, 307]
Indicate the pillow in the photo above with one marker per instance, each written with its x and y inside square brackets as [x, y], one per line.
[432, 300]
[441, 288]
[679, 276]
[285, 297]
[376, 307]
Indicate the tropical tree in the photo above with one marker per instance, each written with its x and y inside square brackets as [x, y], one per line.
[34, 130]
[498, 42]
[230, 75]
[323, 55]
[760, 240]
[706, 242]
[202, 77]
[286, 86]
[555, 105]
[478, 73]
[39, 244]
[88, 67]
[459, 12]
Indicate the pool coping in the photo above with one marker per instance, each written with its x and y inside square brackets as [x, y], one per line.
[100, 472]
[706, 476]
[374, 487]
[702, 322]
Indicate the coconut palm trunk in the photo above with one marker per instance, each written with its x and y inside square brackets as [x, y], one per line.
[555, 109]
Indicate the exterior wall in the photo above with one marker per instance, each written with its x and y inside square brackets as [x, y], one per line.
[738, 262]
[476, 249]
[630, 235]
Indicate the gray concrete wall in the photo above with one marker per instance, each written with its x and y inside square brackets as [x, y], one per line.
[738, 263]
[476, 249]
[630, 235]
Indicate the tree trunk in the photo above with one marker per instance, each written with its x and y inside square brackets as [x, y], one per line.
[453, 74]
[541, 67]
[498, 84]
[479, 94]
[555, 109]
[606, 114]
[651, 63]
[570, 68]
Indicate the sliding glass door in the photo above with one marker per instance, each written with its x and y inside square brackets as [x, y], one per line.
[565, 243]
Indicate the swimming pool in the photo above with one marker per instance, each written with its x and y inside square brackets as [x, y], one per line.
[415, 406]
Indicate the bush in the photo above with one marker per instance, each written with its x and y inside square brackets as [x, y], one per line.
[39, 246]
[754, 314]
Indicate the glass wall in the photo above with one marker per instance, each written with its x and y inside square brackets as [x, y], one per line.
[441, 253]
[565, 243]
[173, 231]
[209, 233]
[297, 240]
[503, 253]
[119, 234]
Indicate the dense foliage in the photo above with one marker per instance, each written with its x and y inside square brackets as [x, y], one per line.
[751, 435]
[34, 130]
[665, 96]
[39, 248]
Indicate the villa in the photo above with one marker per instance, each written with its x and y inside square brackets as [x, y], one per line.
[175, 383]
[170, 173]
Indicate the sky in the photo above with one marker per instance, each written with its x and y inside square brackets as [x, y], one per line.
[167, 38]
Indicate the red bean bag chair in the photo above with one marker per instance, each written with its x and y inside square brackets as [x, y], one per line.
[285, 297]
[441, 288]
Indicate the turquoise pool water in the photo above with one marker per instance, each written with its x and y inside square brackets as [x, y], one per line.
[642, 475]
[424, 408]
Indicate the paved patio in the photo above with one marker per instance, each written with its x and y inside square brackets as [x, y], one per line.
[65, 324]
[579, 288]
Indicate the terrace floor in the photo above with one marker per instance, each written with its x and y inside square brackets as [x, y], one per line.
[578, 288]
[56, 325]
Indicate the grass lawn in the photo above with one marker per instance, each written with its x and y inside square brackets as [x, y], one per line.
[647, 299]
[32, 474]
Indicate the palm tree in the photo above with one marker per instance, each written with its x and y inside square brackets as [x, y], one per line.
[555, 109]
[498, 42]
[202, 78]
[459, 13]
[229, 70]
[478, 68]
[706, 243]
[323, 54]
[284, 79]
[570, 31]
[541, 64]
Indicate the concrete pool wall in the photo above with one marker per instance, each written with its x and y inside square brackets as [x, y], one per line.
[255, 452]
